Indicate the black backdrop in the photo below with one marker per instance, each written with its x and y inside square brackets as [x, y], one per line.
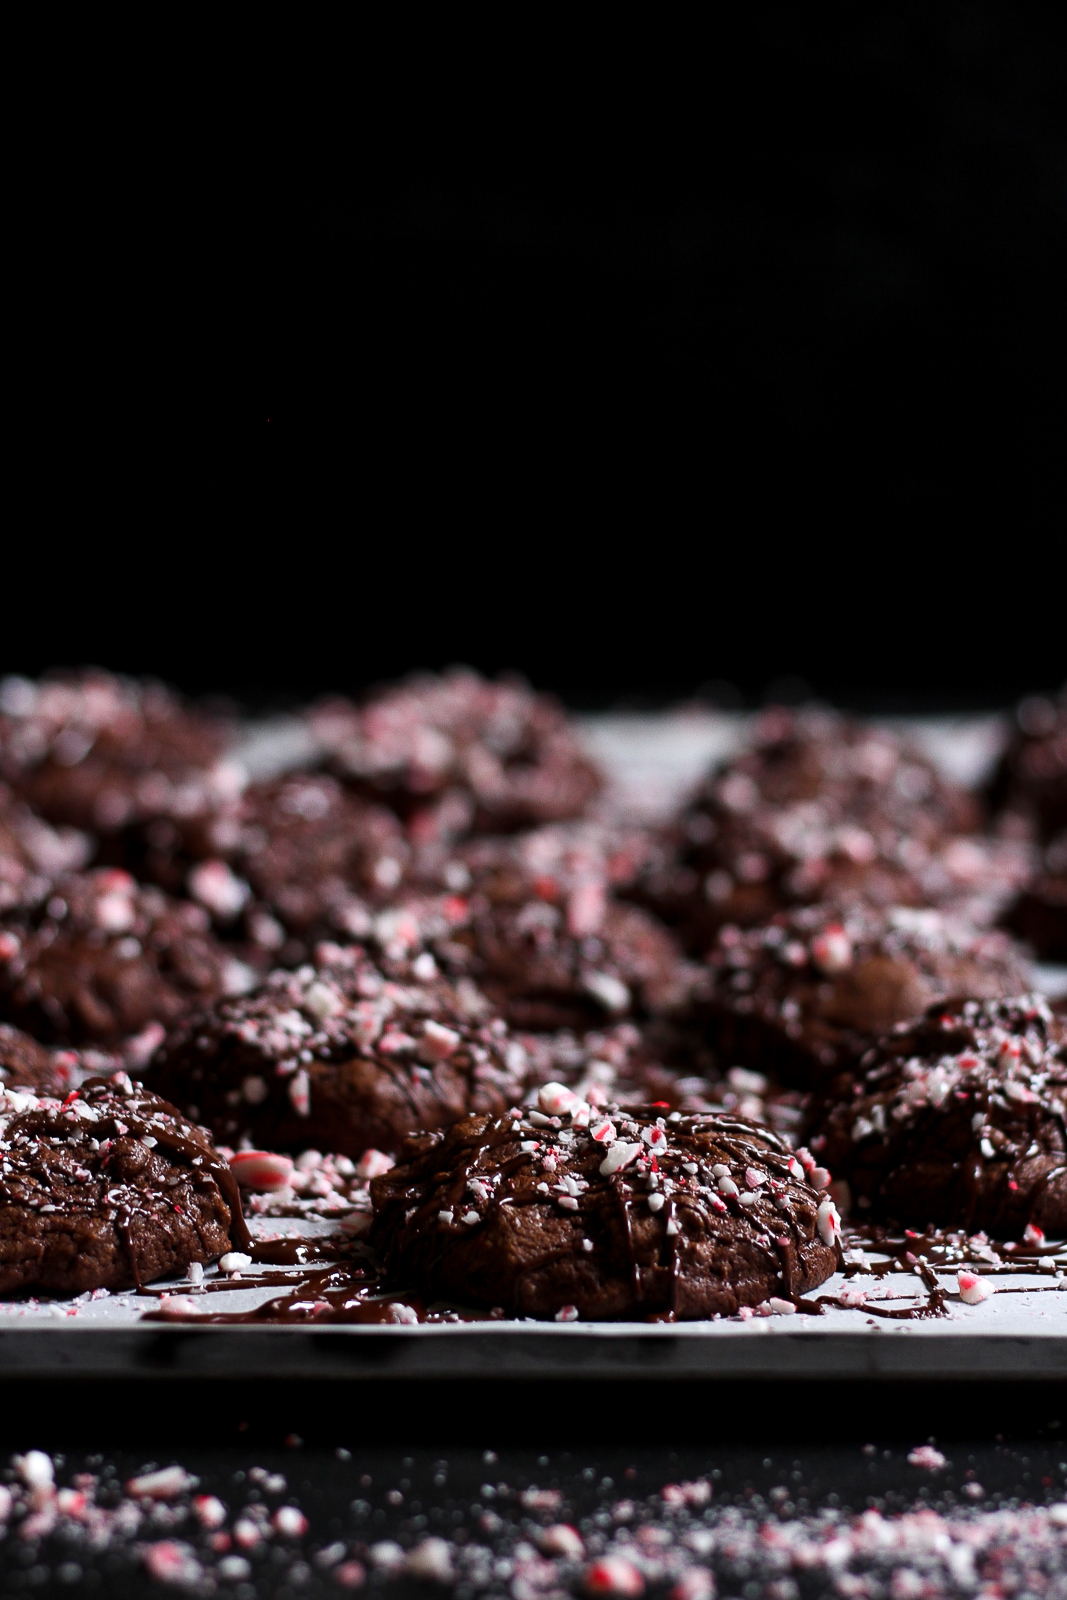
[635, 364]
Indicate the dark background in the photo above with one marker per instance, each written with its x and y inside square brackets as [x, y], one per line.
[634, 363]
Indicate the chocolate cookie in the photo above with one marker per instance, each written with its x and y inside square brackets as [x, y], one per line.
[32, 852]
[958, 1120]
[548, 942]
[1039, 915]
[568, 1213]
[99, 752]
[107, 1189]
[457, 751]
[289, 861]
[341, 1057]
[103, 959]
[820, 809]
[804, 996]
[24, 1064]
[1031, 780]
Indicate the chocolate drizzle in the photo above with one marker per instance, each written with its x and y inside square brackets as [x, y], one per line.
[619, 1220]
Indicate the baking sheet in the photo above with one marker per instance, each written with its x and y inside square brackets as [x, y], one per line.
[653, 760]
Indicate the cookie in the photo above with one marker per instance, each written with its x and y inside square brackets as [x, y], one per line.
[341, 1057]
[958, 1120]
[103, 959]
[25, 1064]
[1031, 780]
[288, 862]
[107, 1189]
[564, 1213]
[803, 997]
[100, 752]
[456, 752]
[32, 852]
[547, 940]
[819, 809]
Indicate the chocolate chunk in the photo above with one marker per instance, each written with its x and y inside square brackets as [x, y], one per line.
[804, 996]
[343, 1057]
[107, 1189]
[958, 1119]
[102, 959]
[99, 752]
[627, 1214]
[454, 752]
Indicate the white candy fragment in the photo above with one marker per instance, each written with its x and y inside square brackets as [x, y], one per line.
[620, 1155]
[611, 992]
[323, 1001]
[655, 1202]
[166, 1484]
[781, 1308]
[974, 1290]
[567, 1314]
[556, 1099]
[407, 1316]
[925, 1456]
[289, 1522]
[828, 1222]
[300, 1093]
[727, 1186]
[234, 1261]
[209, 1510]
[35, 1469]
[563, 1540]
[219, 890]
[437, 1043]
[261, 1170]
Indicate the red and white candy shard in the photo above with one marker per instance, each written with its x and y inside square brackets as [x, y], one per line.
[567, 1314]
[290, 1523]
[925, 1456]
[166, 1484]
[603, 1131]
[831, 950]
[556, 1099]
[373, 1163]
[613, 1575]
[1033, 1234]
[828, 1222]
[620, 1155]
[262, 1170]
[973, 1290]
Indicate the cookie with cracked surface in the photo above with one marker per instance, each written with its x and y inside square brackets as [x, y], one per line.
[803, 997]
[99, 752]
[107, 1189]
[102, 959]
[343, 1056]
[958, 1120]
[457, 751]
[565, 1213]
